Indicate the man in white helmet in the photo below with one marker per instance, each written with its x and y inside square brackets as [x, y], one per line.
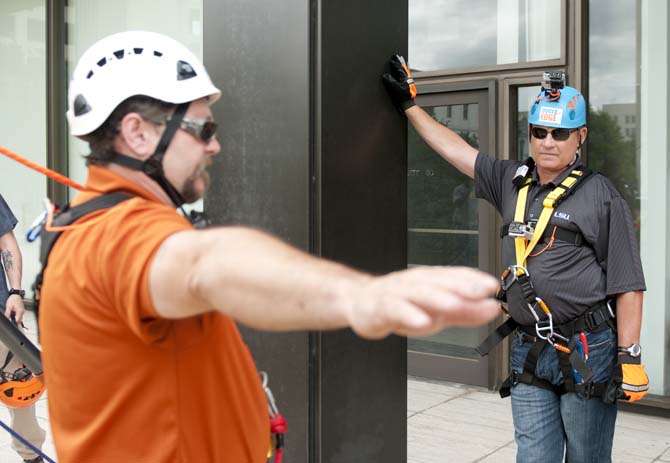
[142, 357]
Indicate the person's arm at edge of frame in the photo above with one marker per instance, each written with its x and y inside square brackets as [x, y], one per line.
[629, 317]
[267, 284]
[13, 265]
[401, 89]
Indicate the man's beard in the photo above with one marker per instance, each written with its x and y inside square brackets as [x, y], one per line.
[189, 193]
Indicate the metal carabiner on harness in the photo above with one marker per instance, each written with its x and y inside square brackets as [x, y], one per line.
[272, 405]
[278, 425]
[37, 225]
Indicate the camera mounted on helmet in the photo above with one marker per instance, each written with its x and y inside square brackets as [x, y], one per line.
[556, 104]
[552, 84]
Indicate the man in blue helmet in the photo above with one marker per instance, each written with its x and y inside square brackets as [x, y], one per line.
[573, 280]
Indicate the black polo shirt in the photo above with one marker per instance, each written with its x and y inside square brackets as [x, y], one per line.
[568, 277]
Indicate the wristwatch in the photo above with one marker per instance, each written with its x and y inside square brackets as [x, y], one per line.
[634, 350]
[20, 292]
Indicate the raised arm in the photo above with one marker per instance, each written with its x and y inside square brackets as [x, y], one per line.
[264, 283]
[444, 141]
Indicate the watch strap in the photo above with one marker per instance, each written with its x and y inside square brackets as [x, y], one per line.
[20, 292]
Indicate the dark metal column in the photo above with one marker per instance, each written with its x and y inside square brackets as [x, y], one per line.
[363, 223]
[56, 97]
[314, 152]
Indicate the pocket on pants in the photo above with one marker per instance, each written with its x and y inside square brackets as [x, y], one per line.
[602, 353]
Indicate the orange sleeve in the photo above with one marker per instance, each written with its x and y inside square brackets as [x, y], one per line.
[132, 238]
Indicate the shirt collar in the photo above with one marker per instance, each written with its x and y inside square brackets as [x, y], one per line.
[101, 180]
[576, 164]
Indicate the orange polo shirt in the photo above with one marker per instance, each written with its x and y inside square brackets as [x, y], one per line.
[124, 385]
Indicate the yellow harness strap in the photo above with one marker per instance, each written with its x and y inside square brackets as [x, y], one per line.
[522, 247]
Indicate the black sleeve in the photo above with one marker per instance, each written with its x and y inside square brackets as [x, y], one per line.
[7, 219]
[490, 175]
[618, 249]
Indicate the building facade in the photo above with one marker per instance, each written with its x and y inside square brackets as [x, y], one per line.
[478, 65]
[490, 54]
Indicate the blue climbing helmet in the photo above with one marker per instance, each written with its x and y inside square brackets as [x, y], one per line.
[557, 105]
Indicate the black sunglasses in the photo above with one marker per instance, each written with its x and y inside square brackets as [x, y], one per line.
[560, 134]
[203, 129]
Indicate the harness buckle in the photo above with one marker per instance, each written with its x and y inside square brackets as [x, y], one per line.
[588, 389]
[544, 326]
[520, 230]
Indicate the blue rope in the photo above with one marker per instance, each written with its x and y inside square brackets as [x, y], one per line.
[25, 442]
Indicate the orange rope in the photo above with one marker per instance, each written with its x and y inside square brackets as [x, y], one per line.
[43, 170]
[549, 244]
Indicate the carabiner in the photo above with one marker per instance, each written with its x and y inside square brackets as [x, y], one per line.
[36, 227]
[272, 405]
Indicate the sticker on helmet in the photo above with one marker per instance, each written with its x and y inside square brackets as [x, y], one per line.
[553, 115]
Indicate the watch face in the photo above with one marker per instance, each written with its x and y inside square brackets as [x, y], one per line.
[635, 350]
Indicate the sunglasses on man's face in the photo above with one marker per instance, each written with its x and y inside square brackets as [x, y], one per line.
[203, 129]
[560, 134]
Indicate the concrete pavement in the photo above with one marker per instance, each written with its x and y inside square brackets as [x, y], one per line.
[449, 422]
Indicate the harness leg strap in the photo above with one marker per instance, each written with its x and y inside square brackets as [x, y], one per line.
[500, 333]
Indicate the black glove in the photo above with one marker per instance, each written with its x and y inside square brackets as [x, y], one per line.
[399, 84]
[628, 381]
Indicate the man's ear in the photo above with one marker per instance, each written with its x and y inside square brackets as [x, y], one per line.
[582, 135]
[139, 135]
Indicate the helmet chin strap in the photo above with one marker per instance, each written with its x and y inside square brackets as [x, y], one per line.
[153, 165]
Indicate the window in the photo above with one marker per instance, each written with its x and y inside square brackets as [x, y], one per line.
[628, 59]
[454, 34]
[23, 129]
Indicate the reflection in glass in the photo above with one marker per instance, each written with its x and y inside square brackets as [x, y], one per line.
[443, 217]
[525, 97]
[614, 105]
[452, 34]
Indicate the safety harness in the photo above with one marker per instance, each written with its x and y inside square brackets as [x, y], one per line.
[572, 350]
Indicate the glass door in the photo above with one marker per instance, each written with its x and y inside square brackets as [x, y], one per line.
[447, 225]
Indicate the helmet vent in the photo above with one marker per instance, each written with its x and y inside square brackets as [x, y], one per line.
[89, 75]
[184, 70]
[157, 53]
[138, 51]
[102, 62]
[119, 54]
[81, 106]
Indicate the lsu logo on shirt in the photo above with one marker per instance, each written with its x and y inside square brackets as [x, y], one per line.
[553, 115]
[562, 215]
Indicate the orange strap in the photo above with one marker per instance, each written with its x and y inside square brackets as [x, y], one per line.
[60, 178]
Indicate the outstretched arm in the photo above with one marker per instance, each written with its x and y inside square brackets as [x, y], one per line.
[264, 283]
[13, 265]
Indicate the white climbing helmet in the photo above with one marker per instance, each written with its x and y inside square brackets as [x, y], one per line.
[128, 64]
